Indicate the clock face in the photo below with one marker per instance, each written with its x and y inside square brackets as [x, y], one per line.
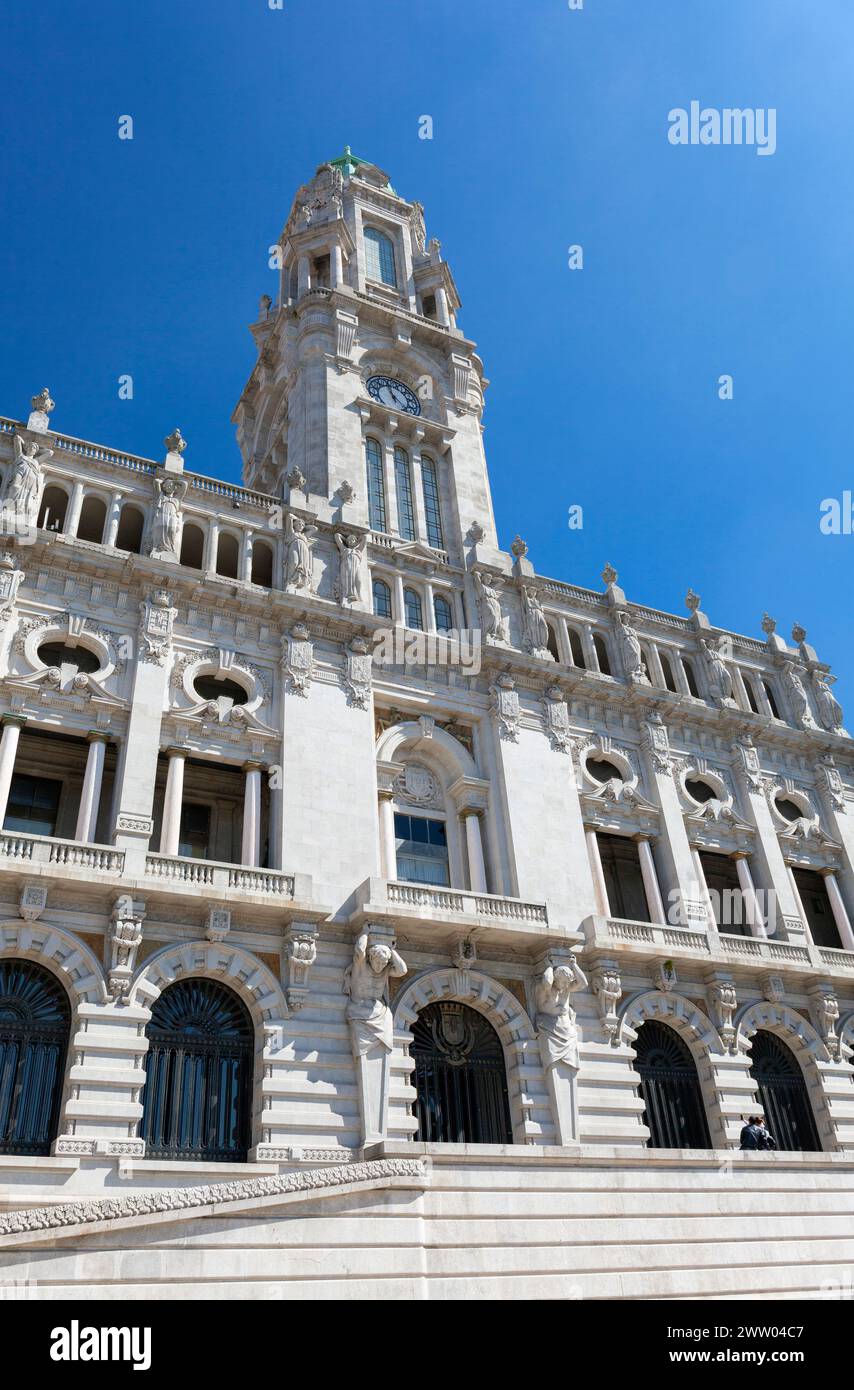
[393, 394]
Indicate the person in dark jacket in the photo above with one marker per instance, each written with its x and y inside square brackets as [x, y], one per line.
[755, 1136]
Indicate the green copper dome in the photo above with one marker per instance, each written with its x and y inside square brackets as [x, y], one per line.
[348, 163]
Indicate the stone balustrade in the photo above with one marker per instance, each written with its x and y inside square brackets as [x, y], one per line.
[651, 938]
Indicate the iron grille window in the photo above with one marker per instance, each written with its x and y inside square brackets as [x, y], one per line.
[33, 805]
[35, 1019]
[403, 486]
[783, 1094]
[670, 1090]
[432, 511]
[422, 850]
[198, 1070]
[376, 485]
[379, 257]
[460, 1078]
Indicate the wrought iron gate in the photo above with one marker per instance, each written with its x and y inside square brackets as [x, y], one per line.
[460, 1078]
[35, 1019]
[670, 1089]
[783, 1094]
[198, 1087]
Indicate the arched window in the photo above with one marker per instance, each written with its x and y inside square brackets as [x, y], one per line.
[58, 654]
[129, 534]
[442, 613]
[576, 649]
[93, 516]
[412, 609]
[460, 1077]
[403, 487]
[192, 547]
[667, 671]
[227, 555]
[35, 1020]
[198, 1074]
[54, 505]
[382, 599]
[751, 694]
[766, 686]
[691, 679]
[376, 485]
[432, 510]
[670, 1089]
[552, 643]
[601, 654]
[262, 564]
[379, 257]
[783, 1097]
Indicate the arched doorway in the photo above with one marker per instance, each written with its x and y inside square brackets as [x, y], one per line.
[670, 1089]
[35, 1019]
[198, 1088]
[783, 1096]
[460, 1077]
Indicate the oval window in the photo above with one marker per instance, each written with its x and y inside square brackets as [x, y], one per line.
[700, 791]
[787, 809]
[211, 687]
[57, 654]
[603, 770]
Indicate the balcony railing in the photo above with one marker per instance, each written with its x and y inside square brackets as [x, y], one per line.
[433, 902]
[603, 933]
[210, 874]
[43, 849]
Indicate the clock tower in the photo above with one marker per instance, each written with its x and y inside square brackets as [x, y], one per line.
[365, 403]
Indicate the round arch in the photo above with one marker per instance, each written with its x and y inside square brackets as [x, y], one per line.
[802, 1040]
[501, 1008]
[698, 1033]
[65, 955]
[231, 965]
[448, 752]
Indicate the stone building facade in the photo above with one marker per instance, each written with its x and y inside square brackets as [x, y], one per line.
[359, 881]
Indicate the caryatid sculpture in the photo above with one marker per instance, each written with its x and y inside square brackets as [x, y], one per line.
[631, 651]
[351, 569]
[720, 680]
[495, 627]
[536, 628]
[24, 486]
[558, 1037]
[375, 962]
[829, 708]
[167, 522]
[299, 571]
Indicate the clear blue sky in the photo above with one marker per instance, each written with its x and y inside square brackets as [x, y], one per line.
[550, 128]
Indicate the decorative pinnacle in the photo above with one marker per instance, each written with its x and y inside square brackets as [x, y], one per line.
[609, 574]
[519, 548]
[692, 601]
[769, 624]
[175, 443]
[43, 402]
[799, 634]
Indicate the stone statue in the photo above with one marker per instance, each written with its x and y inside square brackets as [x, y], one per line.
[375, 962]
[536, 629]
[797, 696]
[351, 584]
[630, 649]
[496, 628]
[167, 523]
[829, 708]
[299, 568]
[558, 1038]
[720, 679]
[25, 483]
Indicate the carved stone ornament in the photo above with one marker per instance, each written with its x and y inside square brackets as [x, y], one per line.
[630, 649]
[798, 698]
[534, 625]
[608, 988]
[824, 1007]
[32, 901]
[296, 480]
[298, 660]
[717, 673]
[22, 490]
[692, 601]
[830, 782]
[609, 575]
[10, 582]
[366, 980]
[155, 629]
[657, 742]
[519, 548]
[351, 585]
[494, 626]
[42, 405]
[556, 719]
[506, 708]
[125, 935]
[175, 443]
[299, 564]
[664, 976]
[417, 786]
[476, 532]
[357, 673]
[346, 491]
[217, 923]
[167, 522]
[773, 988]
[723, 1002]
[300, 954]
[829, 708]
[747, 762]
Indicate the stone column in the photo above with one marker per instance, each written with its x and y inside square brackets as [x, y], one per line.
[12, 726]
[650, 881]
[336, 265]
[250, 854]
[303, 267]
[246, 556]
[599, 884]
[442, 315]
[72, 515]
[840, 914]
[113, 517]
[171, 829]
[398, 611]
[429, 611]
[748, 892]
[418, 494]
[211, 546]
[388, 846]
[656, 672]
[90, 797]
[474, 845]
